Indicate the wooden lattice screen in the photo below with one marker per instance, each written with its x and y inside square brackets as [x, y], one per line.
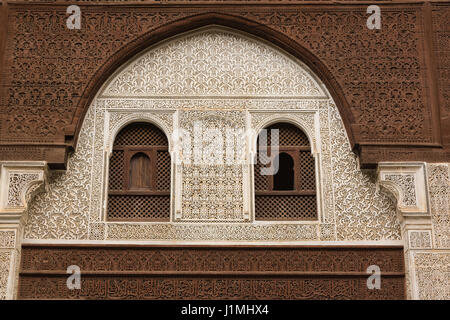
[139, 175]
[299, 202]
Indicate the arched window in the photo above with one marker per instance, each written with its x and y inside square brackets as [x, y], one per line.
[139, 175]
[289, 193]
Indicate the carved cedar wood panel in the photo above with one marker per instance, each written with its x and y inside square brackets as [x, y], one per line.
[211, 273]
[51, 73]
[441, 27]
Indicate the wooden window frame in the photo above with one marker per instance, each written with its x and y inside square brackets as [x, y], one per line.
[143, 202]
[299, 204]
[294, 152]
[128, 153]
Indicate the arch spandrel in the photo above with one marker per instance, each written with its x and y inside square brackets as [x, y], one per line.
[214, 62]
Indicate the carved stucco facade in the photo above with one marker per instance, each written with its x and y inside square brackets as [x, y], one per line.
[227, 79]
[429, 248]
[19, 182]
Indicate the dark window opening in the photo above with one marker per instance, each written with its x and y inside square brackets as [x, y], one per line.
[284, 178]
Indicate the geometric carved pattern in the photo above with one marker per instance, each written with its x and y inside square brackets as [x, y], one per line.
[432, 274]
[20, 181]
[212, 172]
[17, 183]
[138, 134]
[7, 239]
[379, 118]
[74, 201]
[218, 258]
[439, 190]
[5, 266]
[288, 135]
[417, 200]
[138, 208]
[307, 171]
[406, 182]
[359, 216]
[204, 79]
[291, 112]
[49, 95]
[116, 169]
[163, 170]
[277, 207]
[97, 231]
[419, 239]
[212, 193]
[261, 181]
[441, 42]
[62, 211]
[378, 98]
[186, 272]
[212, 231]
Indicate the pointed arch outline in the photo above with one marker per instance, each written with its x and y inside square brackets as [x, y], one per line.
[137, 117]
[183, 25]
